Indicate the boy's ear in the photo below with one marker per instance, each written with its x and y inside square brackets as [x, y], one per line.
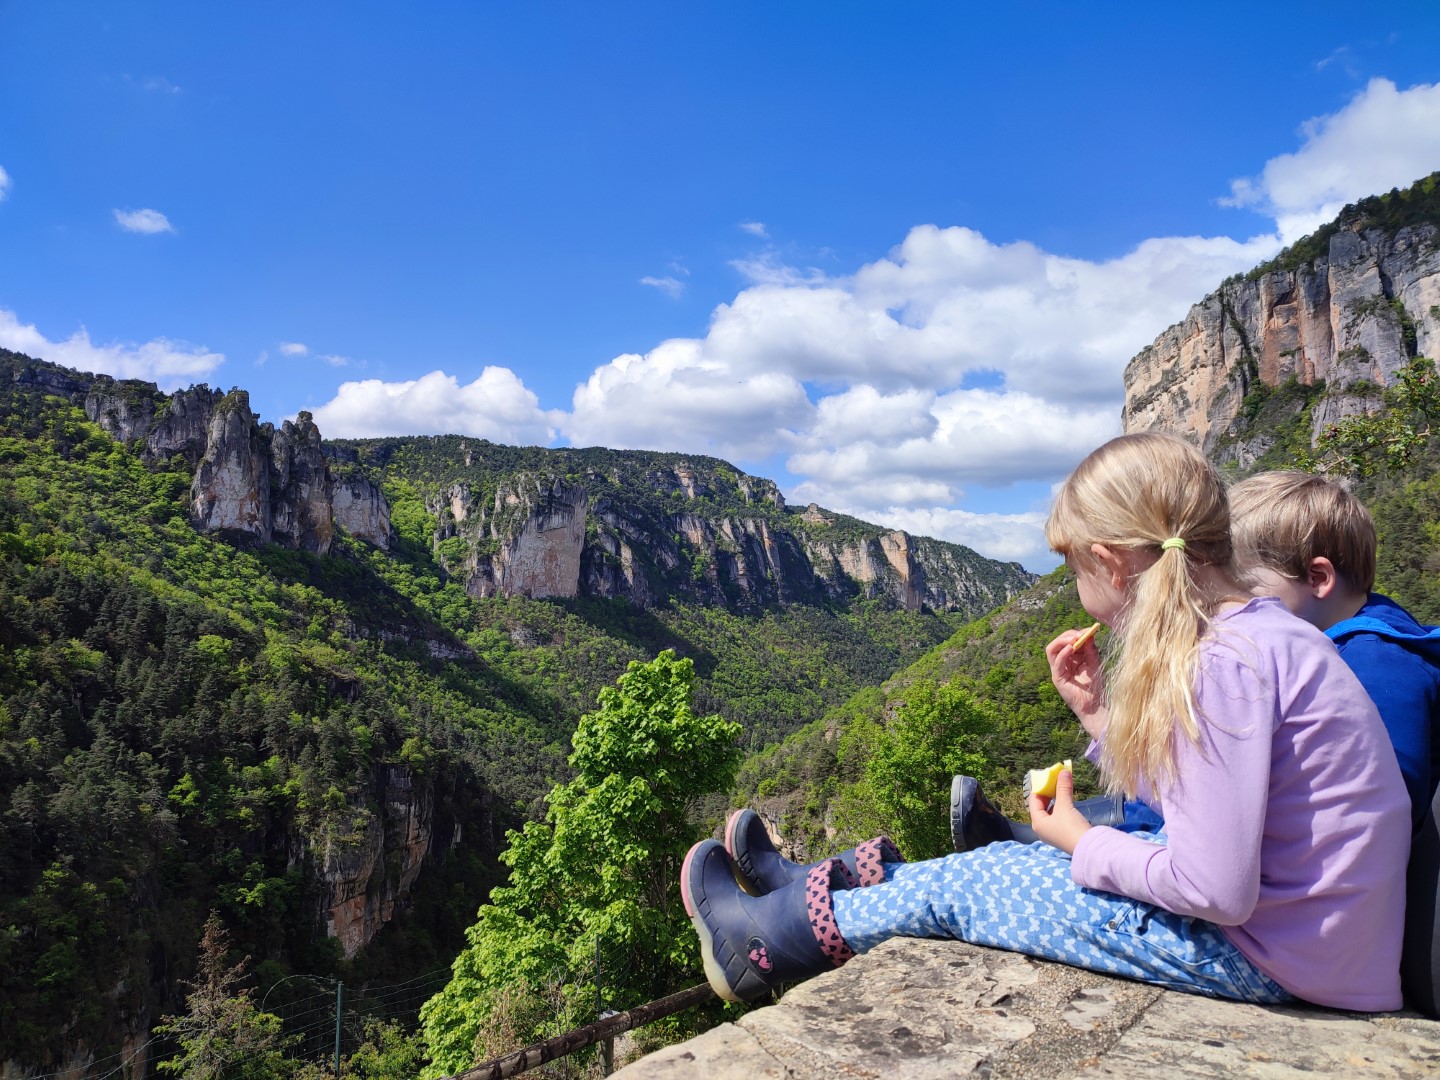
[1321, 578]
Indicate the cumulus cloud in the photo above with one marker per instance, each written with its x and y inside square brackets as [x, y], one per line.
[671, 287]
[1385, 137]
[171, 364]
[755, 228]
[496, 406]
[143, 221]
[294, 348]
[4, 184]
[673, 398]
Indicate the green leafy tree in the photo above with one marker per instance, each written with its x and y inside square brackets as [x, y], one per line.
[938, 730]
[224, 1035]
[597, 877]
[1390, 440]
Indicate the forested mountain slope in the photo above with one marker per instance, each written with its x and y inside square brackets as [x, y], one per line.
[246, 672]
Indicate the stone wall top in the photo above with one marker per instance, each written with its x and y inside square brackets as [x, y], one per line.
[925, 1010]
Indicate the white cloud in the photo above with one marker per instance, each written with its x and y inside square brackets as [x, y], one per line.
[755, 228]
[767, 269]
[169, 363]
[1384, 138]
[4, 184]
[495, 406]
[143, 221]
[670, 286]
[158, 84]
[1009, 537]
[672, 398]
[294, 348]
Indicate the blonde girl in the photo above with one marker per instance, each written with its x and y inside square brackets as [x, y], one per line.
[1279, 873]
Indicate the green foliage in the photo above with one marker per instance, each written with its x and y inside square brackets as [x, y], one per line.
[936, 732]
[223, 1035]
[1390, 440]
[598, 877]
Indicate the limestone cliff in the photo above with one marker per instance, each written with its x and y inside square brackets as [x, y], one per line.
[251, 480]
[364, 880]
[652, 527]
[1335, 317]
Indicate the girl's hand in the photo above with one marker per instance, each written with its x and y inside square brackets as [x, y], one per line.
[1078, 678]
[1056, 821]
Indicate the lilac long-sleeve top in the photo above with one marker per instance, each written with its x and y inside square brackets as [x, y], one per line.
[1288, 823]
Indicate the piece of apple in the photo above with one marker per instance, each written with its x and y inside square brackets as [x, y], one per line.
[1042, 781]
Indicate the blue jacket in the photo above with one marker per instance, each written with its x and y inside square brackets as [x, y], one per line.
[1398, 662]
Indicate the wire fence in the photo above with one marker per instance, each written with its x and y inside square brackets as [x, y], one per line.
[324, 1019]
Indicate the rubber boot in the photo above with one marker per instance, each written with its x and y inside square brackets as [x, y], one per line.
[974, 821]
[752, 944]
[760, 869]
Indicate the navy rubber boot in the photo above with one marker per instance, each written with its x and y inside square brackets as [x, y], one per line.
[752, 944]
[974, 821]
[761, 869]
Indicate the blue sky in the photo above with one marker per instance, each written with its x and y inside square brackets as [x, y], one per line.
[893, 255]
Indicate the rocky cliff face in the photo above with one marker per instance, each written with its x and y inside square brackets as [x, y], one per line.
[723, 540]
[1341, 325]
[251, 479]
[364, 881]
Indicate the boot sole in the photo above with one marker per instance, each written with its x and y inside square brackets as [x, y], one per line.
[741, 878]
[714, 972]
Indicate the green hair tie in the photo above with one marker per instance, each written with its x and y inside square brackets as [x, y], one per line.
[1173, 542]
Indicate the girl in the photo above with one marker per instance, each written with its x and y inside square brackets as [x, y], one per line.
[1280, 870]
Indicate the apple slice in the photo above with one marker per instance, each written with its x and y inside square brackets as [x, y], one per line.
[1042, 781]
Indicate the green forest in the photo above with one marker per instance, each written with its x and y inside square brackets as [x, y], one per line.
[193, 728]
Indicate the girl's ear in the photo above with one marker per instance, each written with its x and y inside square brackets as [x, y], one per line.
[1115, 565]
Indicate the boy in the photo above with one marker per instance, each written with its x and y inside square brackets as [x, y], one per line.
[1309, 542]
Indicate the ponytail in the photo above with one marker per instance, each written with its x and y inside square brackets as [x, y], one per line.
[1156, 497]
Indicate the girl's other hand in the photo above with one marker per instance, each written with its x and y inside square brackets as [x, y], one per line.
[1078, 677]
[1056, 821]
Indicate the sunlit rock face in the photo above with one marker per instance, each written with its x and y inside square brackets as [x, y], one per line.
[1350, 319]
[231, 490]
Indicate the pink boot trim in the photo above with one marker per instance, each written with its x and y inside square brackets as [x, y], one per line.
[869, 856]
[818, 884]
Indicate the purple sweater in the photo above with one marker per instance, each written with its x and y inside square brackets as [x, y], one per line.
[1288, 825]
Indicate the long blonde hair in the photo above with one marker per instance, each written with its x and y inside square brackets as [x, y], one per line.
[1131, 495]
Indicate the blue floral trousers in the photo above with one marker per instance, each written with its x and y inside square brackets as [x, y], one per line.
[1021, 897]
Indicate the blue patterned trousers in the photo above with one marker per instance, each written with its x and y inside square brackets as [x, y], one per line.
[1020, 897]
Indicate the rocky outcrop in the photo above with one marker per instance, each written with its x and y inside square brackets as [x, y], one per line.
[541, 555]
[916, 1010]
[300, 484]
[365, 880]
[360, 509]
[231, 489]
[277, 486]
[1349, 319]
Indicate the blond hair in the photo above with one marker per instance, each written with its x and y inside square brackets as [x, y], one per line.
[1133, 494]
[1283, 521]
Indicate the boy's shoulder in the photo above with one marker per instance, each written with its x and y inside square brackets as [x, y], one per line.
[1385, 623]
